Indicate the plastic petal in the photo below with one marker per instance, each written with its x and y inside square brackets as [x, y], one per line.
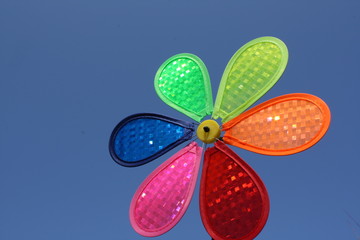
[183, 83]
[141, 138]
[284, 125]
[250, 73]
[164, 196]
[234, 202]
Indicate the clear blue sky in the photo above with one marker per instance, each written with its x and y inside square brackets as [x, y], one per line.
[70, 70]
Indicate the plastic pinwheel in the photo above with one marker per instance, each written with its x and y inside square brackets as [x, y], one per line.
[234, 203]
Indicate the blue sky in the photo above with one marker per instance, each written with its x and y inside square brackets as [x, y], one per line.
[71, 70]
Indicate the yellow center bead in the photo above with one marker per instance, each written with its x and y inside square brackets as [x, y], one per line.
[208, 131]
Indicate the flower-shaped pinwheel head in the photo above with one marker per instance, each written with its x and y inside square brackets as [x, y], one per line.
[234, 203]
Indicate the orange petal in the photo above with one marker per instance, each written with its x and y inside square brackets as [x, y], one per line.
[284, 125]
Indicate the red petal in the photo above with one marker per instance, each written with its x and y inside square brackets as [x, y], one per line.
[234, 202]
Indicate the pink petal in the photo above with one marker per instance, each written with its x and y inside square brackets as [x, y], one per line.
[162, 199]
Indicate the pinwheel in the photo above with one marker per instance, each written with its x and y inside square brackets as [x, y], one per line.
[234, 203]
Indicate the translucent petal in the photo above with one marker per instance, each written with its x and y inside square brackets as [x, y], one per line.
[141, 138]
[250, 73]
[234, 203]
[183, 83]
[284, 125]
[164, 196]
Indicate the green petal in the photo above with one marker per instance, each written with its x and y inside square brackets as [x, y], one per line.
[250, 73]
[183, 83]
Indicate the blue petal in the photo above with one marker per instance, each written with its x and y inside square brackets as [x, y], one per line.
[141, 138]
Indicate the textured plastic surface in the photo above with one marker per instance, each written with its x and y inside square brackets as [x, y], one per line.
[250, 73]
[164, 196]
[284, 125]
[183, 83]
[141, 138]
[234, 203]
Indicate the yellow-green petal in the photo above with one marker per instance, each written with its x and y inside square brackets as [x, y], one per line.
[250, 73]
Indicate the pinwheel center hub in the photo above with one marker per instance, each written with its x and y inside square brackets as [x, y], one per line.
[208, 131]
